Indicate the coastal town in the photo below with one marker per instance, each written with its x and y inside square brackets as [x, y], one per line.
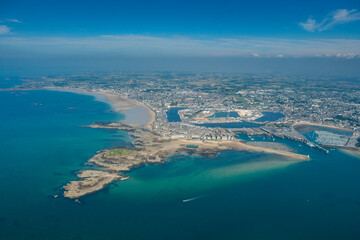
[247, 101]
[205, 113]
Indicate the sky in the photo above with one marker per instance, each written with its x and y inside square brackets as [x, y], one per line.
[51, 36]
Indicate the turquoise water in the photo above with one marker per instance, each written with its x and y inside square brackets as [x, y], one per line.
[239, 195]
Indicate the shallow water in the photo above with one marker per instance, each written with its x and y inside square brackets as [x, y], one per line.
[239, 195]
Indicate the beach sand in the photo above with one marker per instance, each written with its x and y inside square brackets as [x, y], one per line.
[351, 152]
[237, 145]
[136, 113]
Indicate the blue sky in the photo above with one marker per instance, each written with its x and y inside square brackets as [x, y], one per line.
[41, 29]
[215, 18]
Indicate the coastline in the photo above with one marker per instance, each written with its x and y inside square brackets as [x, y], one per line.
[351, 152]
[45, 147]
[238, 145]
[122, 104]
[151, 149]
[117, 102]
[148, 147]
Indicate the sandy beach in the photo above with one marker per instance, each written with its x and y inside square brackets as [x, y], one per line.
[351, 152]
[237, 145]
[135, 113]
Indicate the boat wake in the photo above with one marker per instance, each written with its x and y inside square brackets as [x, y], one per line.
[192, 199]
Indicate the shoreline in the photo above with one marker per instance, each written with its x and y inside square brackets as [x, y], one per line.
[241, 146]
[118, 103]
[351, 152]
[148, 147]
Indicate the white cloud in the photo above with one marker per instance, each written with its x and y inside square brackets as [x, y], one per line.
[13, 20]
[337, 17]
[4, 29]
[310, 25]
[179, 46]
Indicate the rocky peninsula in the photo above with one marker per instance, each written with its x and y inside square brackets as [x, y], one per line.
[149, 147]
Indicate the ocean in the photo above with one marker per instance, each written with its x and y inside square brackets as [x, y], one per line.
[238, 195]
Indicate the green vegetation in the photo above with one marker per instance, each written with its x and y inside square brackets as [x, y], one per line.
[239, 99]
[119, 152]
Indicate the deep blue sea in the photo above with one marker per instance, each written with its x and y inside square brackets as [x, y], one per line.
[238, 195]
